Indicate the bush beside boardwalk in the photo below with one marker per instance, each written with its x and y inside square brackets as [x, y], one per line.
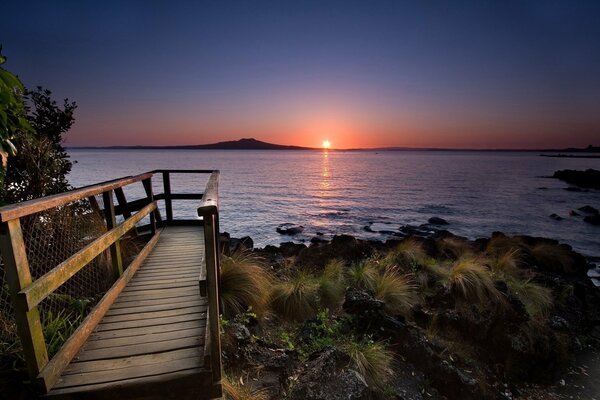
[418, 318]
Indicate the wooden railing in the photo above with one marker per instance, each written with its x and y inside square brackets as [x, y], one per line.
[27, 293]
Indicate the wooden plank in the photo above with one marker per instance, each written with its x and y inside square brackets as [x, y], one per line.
[122, 200]
[157, 294]
[155, 217]
[162, 286]
[141, 339]
[138, 349]
[161, 280]
[33, 294]
[43, 203]
[51, 372]
[127, 303]
[145, 315]
[184, 171]
[115, 248]
[150, 322]
[157, 307]
[147, 330]
[18, 276]
[168, 272]
[128, 372]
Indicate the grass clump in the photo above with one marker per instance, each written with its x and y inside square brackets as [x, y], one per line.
[373, 360]
[409, 254]
[537, 299]
[454, 248]
[505, 265]
[470, 278]
[332, 285]
[238, 391]
[396, 290]
[363, 274]
[245, 284]
[554, 257]
[295, 299]
[58, 327]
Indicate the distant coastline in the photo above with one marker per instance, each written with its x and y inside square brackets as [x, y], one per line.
[254, 144]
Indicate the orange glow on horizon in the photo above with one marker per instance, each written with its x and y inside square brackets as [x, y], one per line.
[326, 144]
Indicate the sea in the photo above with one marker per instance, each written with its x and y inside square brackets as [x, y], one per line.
[367, 194]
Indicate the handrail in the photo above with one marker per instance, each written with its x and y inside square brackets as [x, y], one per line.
[28, 207]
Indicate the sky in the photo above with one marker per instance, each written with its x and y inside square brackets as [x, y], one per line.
[481, 74]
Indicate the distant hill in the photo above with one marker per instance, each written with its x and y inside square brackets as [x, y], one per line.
[242, 144]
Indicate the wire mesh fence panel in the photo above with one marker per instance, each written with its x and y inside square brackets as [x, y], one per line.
[10, 345]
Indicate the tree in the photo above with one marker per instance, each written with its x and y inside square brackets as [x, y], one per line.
[41, 166]
[12, 113]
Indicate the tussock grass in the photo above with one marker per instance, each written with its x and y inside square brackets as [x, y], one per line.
[537, 299]
[363, 274]
[502, 244]
[296, 298]
[553, 256]
[505, 265]
[332, 285]
[470, 278]
[455, 248]
[396, 290]
[407, 255]
[238, 391]
[244, 283]
[373, 360]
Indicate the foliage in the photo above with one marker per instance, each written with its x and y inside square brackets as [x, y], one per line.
[505, 265]
[295, 299]
[408, 254]
[42, 164]
[553, 256]
[245, 283]
[373, 360]
[59, 327]
[470, 278]
[12, 112]
[454, 248]
[363, 274]
[239, 391]
[320, 332]
[332, 285]
[397, 291]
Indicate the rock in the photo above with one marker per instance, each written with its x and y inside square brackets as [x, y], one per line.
[592, 219]
[559, 323]
[289, 229]
[318, 239]
[574, 189]
[589, 210]
[574, 213]
[361, 302]
[556, 217]
[327, 376]
[590, 178]
[289, 249]
[437, 221]
[245, 242]
[239, 333]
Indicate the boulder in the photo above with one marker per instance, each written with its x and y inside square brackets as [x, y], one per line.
[245, 242]
[592, 219]
[437, 221]
[327, 376]
[556, 217]
[590, 178]
[289, 229]
[589, 210]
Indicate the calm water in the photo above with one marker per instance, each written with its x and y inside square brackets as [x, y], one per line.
[342, 192]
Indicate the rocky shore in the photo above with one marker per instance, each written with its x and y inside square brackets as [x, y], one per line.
[493, 318]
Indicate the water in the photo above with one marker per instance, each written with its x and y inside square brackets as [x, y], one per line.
[342, 192]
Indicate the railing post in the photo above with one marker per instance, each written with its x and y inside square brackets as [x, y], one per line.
[111, 222]
[168, 200]
[148, 188]
[18, 277]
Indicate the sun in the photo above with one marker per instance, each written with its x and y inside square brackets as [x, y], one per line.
[326, 144]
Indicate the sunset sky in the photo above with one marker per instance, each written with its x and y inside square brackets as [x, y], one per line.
[481, 74]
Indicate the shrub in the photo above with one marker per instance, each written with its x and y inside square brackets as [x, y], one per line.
[245, 283]
[396, 290]
[332, 285]
[296, 298]
[472, 280]
[238, 391]
[373, 361]
[363, 274]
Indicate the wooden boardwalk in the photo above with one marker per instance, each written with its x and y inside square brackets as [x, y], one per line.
[154, 332]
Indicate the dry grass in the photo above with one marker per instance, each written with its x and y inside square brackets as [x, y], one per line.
[396, 290]
[455, 248]
[238, 391]
[470, 278]
[332, 285]
[295, 299]
[537, 299]
[505, 265]
[503, 244]
[244, 283]
[373, 361]
[407, 255]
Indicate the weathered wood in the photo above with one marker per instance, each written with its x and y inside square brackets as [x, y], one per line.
[151, 322]
[115, 248]
[156, 215]
[150, 330]
[43, 203]
[184, 171]
[167, 189]
[18, 276]
[33, 294]
[95, 206]
[187, 303]
[122, 200]
[51, 372]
